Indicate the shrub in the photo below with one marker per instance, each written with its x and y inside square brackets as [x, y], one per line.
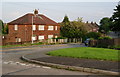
[94, 35]
[106, 37]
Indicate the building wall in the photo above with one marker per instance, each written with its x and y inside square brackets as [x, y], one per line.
[25, 32]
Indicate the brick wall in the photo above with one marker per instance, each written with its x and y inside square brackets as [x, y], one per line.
[25, 33]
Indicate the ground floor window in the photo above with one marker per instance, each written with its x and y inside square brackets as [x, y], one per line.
[40, 37]
[18, 39]
[50, 36]
[34, 38]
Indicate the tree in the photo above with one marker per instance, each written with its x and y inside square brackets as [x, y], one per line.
[79, 30]
[74, 29]
[105, 24]
[94, 35]
[6, 29]
[116, 19]
[66, 28]
[1, 27]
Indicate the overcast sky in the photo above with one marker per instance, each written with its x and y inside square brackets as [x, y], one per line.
[90, 10]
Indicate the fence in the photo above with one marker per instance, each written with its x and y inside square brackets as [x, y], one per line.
[49, 41]
[105, 42]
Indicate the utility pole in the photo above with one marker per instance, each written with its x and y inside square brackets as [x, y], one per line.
[32, 29]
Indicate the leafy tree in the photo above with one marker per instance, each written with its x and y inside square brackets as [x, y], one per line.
[74, 29]
[6, 29]
[94, 35]
[79, 30]
[116, 19]
[105, 24]
[1, 27]
[66, 28]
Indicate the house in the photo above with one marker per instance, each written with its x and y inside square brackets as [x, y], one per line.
[91, 27]
[32, 27]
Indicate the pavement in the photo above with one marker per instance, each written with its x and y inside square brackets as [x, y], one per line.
[74, 64]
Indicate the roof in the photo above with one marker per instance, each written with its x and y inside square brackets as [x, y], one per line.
[37, 20]
[90, 26]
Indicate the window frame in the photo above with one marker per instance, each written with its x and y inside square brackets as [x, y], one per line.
[49, 27]
[50, 37]
[15, 27]
[41, 39]
[41, 27]
[33, 27]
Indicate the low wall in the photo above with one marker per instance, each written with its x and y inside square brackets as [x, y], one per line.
[49, 41]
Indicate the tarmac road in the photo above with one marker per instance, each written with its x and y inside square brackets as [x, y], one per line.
[13, 65]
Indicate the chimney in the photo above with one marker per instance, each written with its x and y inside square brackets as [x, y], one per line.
[92, 22]
[36, 12]
[87, 22]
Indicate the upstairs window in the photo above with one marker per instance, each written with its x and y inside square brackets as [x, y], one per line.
[55, 27]
[50, 28]
[15, 27]
[33, 27]
[41, 27]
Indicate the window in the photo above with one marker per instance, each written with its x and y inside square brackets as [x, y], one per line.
[18, 39]
[50, 27]
[34, 27]
[50, 36]
[41, 27]
[34, 38]
[41, 37]
[55, 27]
[16, 27]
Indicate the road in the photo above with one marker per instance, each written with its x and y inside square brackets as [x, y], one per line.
[13, 65]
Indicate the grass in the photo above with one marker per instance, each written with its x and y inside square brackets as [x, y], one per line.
[87, 53]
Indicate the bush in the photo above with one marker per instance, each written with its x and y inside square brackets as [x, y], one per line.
[106, 37]
[102, 46]
[115, 47]
[94, 35]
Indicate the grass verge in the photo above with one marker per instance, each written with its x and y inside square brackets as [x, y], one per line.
[87, 53]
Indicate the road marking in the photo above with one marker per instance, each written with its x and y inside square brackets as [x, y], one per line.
[22, 64]
[46, 67]
[5, 62]
[38, 66]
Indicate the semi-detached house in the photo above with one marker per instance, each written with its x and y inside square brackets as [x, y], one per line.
[33, 27]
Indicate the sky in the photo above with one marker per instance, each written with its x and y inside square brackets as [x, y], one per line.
[89, 10]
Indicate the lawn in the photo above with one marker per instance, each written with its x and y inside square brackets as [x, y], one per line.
[87, 53]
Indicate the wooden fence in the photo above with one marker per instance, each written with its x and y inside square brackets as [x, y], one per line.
[105, 42]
